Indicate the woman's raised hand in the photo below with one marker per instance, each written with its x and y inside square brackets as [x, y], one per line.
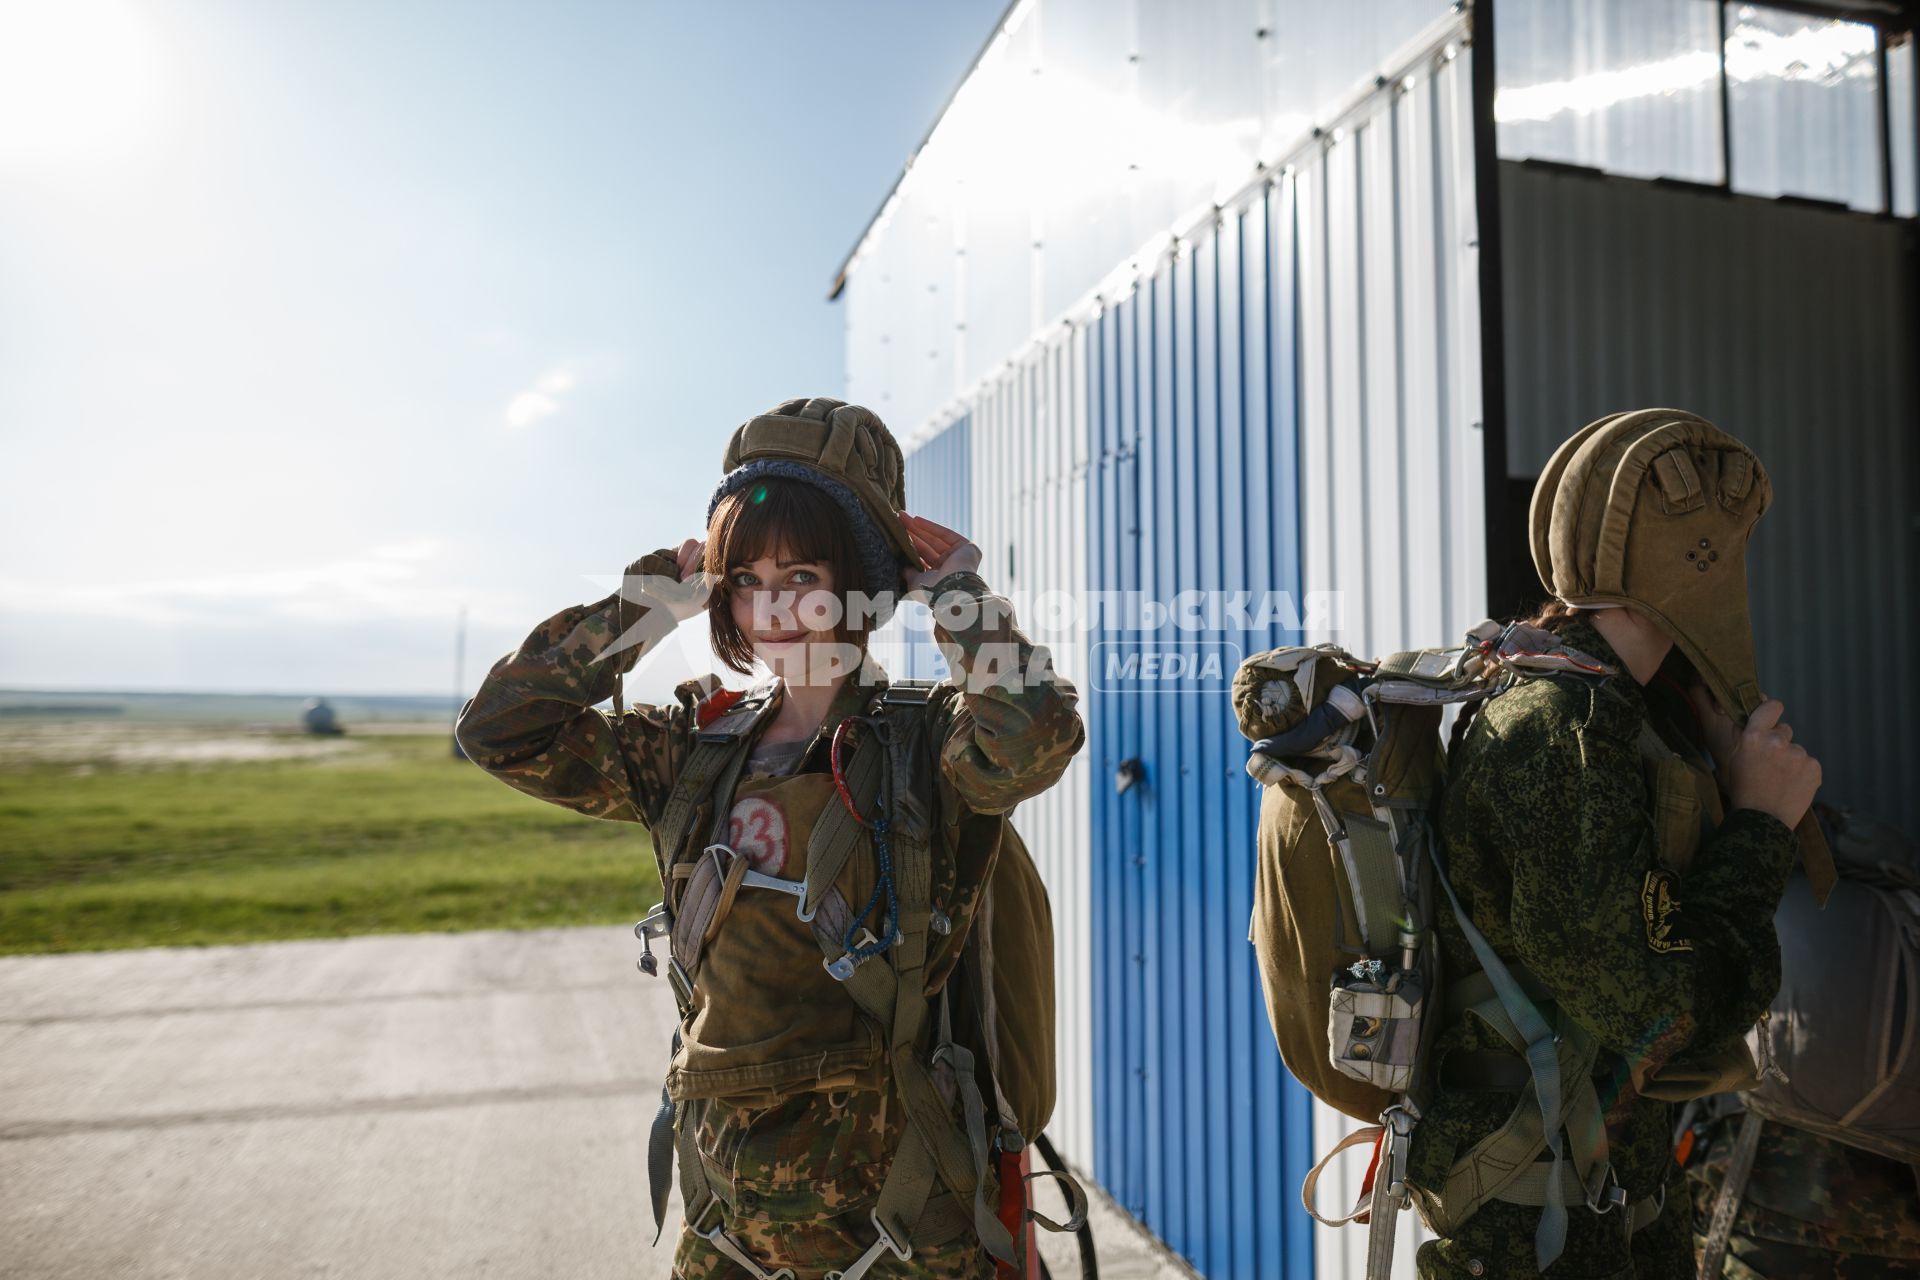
[942, 551]
[673, 579]
[1767, 770]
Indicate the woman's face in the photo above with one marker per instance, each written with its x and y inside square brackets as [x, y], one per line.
[787, 609]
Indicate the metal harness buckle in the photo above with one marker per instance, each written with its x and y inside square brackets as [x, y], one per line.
[656, 924]
[864, 1263]
[1610, 1195]
[726, 1244]
[797, 889]
[1399, 1122]
[842, 969]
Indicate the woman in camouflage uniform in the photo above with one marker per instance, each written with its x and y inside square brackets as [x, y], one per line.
[804, 527]
[1554, 838]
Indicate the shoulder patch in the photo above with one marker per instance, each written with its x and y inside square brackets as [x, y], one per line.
[1660, 910]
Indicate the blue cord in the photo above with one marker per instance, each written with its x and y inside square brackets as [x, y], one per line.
[883, 850]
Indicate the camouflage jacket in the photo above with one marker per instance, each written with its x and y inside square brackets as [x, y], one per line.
[1813, 1206]
[1010, 734]
[1549, 838]
[535, 725]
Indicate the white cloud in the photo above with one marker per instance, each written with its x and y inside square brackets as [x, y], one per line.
[386, 582]
[539, 401]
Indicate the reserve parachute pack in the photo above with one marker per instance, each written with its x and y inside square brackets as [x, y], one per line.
[853, 1011]
[1348, 882]
[1843, 1032]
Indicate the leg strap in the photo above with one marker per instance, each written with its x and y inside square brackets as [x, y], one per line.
[1498, 1157]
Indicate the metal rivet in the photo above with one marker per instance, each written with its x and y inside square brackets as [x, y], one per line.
[1713, 555]
[1702, 566]
[1704, 544]
[1476, 1267]
[1692, 555]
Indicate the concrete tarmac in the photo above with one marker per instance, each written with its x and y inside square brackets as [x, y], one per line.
[396, 1106]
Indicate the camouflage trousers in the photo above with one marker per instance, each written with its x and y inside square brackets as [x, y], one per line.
[801, 1178]
[1812, 1208]
[815, 1248]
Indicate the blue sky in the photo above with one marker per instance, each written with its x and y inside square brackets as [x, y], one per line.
[321, 320]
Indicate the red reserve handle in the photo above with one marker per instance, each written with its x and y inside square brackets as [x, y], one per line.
[1012, 1167]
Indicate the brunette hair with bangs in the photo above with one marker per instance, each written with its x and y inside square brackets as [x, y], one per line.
[763, 519]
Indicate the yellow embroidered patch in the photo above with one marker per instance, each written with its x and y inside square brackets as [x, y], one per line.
[1661, 911]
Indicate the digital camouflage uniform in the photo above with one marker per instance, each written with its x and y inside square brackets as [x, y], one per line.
[804, 1171]
[1545, 826]
[1812, 1207]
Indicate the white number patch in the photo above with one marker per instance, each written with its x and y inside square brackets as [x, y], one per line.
[758, 828]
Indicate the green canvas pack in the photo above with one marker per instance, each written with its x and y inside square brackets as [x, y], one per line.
[1348, 884]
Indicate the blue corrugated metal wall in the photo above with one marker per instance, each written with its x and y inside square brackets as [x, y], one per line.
[1193, 407]
[939, 487]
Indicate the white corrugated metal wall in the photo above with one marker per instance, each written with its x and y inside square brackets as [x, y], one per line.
[1380, 281]
[1390, 425]
[1030, 454]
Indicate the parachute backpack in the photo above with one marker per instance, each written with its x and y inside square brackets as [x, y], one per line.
[1844, 1028]
[1351, 759]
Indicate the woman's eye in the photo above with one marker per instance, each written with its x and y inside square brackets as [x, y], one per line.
[745, 579]
[804, 577]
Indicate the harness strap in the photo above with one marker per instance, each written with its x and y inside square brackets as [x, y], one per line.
[660, 1142]
[1374, 878]
[719, 751]
[696, 1190]
[719, 755]
[838, 832]
[962, 1158]
[1368, 1136]
[1727, 1206]
[1464, 994]
[1535, 1187]
[1491, 1163]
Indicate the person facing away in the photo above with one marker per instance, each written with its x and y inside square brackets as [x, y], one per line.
[1815, 1172]
[1622, 842]
[788, 1112]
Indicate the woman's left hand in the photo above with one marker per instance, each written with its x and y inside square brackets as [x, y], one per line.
[941, 549]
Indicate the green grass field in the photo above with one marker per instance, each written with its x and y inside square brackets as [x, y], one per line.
[168, 839]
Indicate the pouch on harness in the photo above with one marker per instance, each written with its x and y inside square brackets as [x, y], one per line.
[853, 1011]
[1844, 1029]
[1348, 884]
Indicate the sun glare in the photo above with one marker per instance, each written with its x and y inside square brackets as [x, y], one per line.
[77, 78]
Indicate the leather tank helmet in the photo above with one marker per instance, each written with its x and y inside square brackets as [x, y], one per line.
[1653, 510]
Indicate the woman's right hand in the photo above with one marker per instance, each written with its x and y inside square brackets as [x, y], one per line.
[1768, 771]
[673, 579]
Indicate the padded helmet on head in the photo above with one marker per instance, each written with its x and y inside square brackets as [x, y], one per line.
[1652, 510]
[846, 451]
